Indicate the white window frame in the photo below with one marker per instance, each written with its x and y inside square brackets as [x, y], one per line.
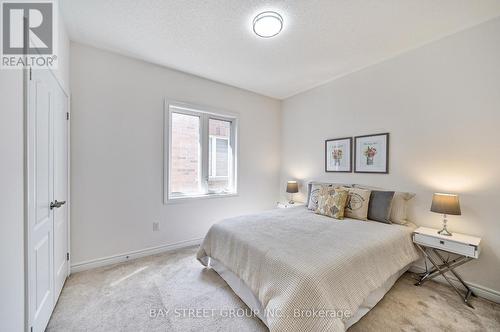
[205, 113]
[214, 160]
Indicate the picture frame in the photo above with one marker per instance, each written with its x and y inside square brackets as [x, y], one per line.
[371, 153]
[338, 155]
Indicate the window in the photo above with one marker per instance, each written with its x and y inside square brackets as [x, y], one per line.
[201, 152]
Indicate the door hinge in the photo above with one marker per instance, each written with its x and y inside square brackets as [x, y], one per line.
[67, 256]
[67, 115]
[30, 73]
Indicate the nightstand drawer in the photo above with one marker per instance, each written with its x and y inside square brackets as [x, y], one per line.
[446, 245]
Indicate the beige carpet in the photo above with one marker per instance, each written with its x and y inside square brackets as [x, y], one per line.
[163, 292]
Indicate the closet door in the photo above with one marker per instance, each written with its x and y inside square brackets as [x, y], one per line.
[61, 256]
[40, 193]
[47, 195]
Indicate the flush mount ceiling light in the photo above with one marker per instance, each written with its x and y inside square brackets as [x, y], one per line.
[267, 24]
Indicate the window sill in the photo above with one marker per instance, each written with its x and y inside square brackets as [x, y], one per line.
[185, 199]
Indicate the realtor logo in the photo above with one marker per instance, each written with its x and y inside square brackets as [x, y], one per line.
[28, 34]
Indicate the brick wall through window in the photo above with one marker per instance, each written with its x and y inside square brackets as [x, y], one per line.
[185, 161]
[185, 154]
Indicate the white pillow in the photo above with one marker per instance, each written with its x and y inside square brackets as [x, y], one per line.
[399, 208]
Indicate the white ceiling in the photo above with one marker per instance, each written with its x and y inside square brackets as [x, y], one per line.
[321, 39]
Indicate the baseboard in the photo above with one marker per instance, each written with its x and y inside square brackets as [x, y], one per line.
[479, 290]
[93, 263]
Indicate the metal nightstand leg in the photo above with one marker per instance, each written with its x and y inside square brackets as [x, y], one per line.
[469, 291]
[441, 269]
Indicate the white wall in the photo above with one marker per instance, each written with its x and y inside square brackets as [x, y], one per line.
[62, 71]
[11, 201]
[117, 154]
[441, 104]
[12, 187]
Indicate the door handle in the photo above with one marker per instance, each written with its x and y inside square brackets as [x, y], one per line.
[56, 204]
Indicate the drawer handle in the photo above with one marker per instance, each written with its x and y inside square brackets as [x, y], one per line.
[441, 242]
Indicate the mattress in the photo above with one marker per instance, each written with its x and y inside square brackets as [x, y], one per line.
[289, 263]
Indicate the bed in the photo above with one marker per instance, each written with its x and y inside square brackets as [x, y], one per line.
[299, 271]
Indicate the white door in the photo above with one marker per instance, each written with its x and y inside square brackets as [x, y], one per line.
[40, 193]
[60, 191]
[47, 218]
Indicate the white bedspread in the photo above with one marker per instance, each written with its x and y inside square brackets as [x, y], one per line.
[297, 262]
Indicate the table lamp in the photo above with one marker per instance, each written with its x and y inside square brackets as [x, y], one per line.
[445, 204]
[292, 187]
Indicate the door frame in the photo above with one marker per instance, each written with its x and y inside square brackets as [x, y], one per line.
[27, 138]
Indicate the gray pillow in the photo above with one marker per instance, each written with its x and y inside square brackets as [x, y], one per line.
[379, 208]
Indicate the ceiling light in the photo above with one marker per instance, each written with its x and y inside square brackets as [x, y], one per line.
[267, 24]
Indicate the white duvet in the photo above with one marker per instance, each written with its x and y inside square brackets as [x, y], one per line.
[309, 272]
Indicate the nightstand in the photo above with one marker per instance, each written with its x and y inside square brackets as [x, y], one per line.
[466, 247]
[280, 205]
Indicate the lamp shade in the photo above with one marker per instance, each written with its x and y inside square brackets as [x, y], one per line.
[292, 187]
[446, 204]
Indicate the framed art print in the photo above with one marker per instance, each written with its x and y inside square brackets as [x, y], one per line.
[371, 153]
[338, 155]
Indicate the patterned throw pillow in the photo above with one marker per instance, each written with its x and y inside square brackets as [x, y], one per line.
[313, 191]
[357, 203]
[314, 195]
[332, 201]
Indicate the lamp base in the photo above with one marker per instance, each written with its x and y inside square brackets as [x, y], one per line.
[444, 231]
